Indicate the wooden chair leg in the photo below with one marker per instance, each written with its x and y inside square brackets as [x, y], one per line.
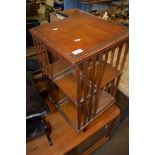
[49, 138]
[48, 130]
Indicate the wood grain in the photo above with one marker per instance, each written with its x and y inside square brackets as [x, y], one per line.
[68, 83]
[64, 138]
[84, 71]
[96, 35]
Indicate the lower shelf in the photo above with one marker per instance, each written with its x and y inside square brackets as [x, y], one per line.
[68, 82]
[69, 110]
[106, 100]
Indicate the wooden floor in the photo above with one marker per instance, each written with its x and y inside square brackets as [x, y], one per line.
[65, 138]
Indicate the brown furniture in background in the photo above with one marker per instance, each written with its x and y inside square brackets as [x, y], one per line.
[82, 59]
[66, 141]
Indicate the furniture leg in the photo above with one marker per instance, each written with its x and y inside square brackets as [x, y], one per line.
[49, 138]
[48, 131]
[109, 128]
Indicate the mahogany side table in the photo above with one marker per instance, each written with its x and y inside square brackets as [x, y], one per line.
[65, 140]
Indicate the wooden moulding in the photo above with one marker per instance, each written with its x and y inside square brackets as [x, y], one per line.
[96, 35]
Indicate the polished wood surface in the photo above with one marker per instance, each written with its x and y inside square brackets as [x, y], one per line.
[88, 76]
[95, 35]
[64, 138]
[68, 83]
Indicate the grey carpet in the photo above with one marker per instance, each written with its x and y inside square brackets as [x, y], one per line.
[118, 144]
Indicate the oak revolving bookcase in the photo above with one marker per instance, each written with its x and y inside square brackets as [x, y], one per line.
[82, 59]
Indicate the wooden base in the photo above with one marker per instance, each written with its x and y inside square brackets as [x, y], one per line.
[64, 138]
[69, 110]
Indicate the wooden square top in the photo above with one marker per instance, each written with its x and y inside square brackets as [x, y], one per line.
[79, 37]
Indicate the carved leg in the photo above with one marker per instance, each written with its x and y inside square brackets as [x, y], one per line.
[49, 138]
[48, 130]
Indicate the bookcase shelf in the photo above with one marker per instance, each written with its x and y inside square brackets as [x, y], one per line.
[69, 110]
[67, 82]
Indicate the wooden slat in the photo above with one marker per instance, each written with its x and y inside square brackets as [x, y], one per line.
[112, 87]
[118, 56]
[50, 93]
[98, 75]
[100, 79]
[85, 88]
[104, 62]
[52, 90]
[68, 83]
[74, 115]
[121, 69]
[78, 92]
[112, 56]
[124, 56]
[92, 86]
[116, 86]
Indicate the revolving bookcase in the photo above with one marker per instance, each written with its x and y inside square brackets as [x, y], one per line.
[82, 59]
